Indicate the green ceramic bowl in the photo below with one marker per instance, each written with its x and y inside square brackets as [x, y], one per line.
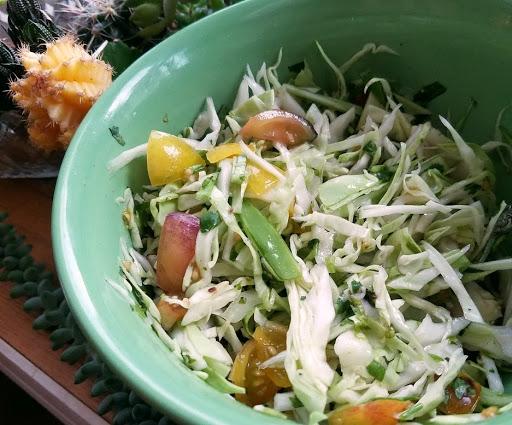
[467, 45]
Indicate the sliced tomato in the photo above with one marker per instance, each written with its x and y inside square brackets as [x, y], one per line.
[259, 388]
[221, 152]
[461, 396]
[377, 412]
[176, 250]
[279, 126]
[169, 313]
[271, 340]
[260, 181]
[168, 158]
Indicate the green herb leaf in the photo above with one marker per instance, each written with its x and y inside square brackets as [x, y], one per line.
[341, 305]
[356, 286]
[383, 173]
[139, 306]
[114, 131]
[209, 221]
[119, 56]
[296, 403]
[309, 251]
[370, 148]
[461, 388]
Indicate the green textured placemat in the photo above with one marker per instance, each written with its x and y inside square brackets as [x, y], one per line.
[36, 284]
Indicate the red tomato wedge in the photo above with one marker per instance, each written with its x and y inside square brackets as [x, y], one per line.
[170, 313]
[377, 412]
[176, 250]
[462, 396]
[279, 126]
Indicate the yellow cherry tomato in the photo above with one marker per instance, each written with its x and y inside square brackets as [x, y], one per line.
[168, 157]
[260, 181]
[259, 388]
[223, 151]
[227, 150]
[271, 340]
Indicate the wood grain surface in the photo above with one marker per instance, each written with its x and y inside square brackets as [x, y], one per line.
[29, 203]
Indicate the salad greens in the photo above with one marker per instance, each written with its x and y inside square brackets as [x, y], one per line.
[357, 270]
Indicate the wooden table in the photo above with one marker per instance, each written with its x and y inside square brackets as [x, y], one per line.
[25, 354]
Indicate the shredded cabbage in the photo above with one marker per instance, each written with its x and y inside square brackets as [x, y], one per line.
[391, 229]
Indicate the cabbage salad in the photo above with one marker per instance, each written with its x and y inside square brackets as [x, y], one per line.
[326, 256]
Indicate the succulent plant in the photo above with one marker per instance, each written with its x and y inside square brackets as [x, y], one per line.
[29, 25]
[58, 89]
[139, 23]
[9, 69]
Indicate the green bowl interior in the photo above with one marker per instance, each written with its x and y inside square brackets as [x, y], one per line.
[465, 45]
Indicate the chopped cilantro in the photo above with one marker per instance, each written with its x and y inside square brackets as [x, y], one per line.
[296, 403]
[383, 173]
[356, 286]
[209, 221]
[114, 131]
[370, 148]
[341, 305]
[462, 388]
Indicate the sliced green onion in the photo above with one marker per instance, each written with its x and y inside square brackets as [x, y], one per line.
[376, 370]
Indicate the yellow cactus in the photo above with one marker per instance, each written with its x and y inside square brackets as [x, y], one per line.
[58, 89]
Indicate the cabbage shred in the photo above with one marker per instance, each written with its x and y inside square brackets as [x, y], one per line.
[386, 219]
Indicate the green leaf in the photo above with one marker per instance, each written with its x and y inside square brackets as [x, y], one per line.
[461, 388]
[356, 286]
[135, 3]
[383, 173]
[119, 56]
[114, 131]
[169, 7]
[309, 251]
[153, 30]
[146, 14]
[296, 403]
[462, 121]
[209, 221]
[341, 305]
